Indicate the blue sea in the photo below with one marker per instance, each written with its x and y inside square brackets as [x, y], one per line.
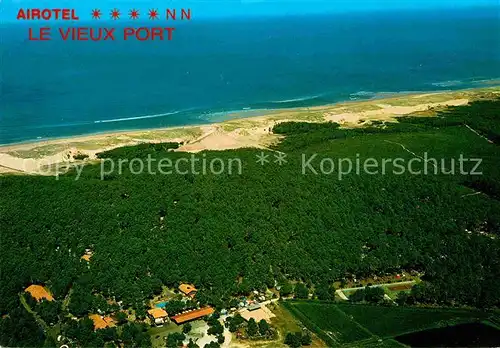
[213, 68]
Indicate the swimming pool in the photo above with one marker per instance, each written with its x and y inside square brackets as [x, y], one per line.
[161, 304]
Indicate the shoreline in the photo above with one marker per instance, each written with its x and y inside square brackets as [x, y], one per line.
[260, 112]
[237, 131]
[68, 138]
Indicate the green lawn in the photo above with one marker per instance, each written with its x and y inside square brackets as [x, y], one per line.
[333, 322]
[158, 334]
[356, 325]
[393, 321]
[375, 343]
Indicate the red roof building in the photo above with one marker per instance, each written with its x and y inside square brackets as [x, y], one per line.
[192, 315]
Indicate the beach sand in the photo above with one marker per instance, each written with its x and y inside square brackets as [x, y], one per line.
[36, 157]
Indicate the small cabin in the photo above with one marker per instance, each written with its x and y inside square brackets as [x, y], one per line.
[188, 290]
[158, 316]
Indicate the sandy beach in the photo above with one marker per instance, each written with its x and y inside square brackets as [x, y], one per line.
[35, 157]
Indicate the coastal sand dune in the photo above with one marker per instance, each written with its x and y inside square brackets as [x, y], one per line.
[220, 139]
[387, 112]
[37, 158]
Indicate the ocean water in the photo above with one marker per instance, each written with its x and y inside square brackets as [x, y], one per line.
[214, 67]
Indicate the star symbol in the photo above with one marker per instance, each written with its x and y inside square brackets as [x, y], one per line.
[153, 14]
[262, 158]
[96, 14]
[115, 14]
[280, 158]
[134, 14]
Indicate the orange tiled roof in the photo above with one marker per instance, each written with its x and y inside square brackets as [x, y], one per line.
[100, 322]
[86, 257]
[187, 288]
[196, 314]
[38, 292]
[158, 313]
[109, 321]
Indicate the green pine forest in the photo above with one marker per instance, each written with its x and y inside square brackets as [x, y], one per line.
[229, 234]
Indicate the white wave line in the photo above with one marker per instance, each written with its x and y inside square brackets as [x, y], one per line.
[299, 99]
[136, 117]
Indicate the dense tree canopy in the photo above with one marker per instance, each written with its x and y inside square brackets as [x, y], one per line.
[228, 234]
[301, 291]
[20, 329]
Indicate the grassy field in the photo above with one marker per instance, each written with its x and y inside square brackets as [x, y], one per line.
[285, 322]
[374, 326]
[393, 321]
[328, 322]
[343, 329]
[158, 334]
